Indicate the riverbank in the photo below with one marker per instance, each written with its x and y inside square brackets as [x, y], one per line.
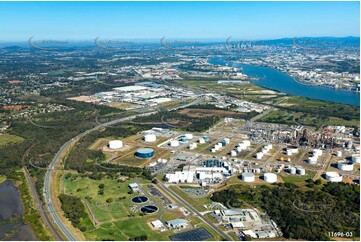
[276, 80]
[12, 226]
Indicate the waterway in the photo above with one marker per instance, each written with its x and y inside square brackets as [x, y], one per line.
[12, 227]
[276, 80]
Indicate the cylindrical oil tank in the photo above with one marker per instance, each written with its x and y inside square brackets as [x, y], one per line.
[301, 171]
[259, 155]
[246, 142]
[150, 138]
[115, 144]
[270, 177]
[339, 153]
[356, 158]
[333, 176]
[202, 141]
[206, 138]
[317, 152]
[344, 165]
[312, 159]
[248, 177]
[144, 153]
[174, 143]
[183, 139]
[292, 170]
[189, 136]
[233, 153]
[213, 150]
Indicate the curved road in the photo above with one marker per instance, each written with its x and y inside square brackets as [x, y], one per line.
[48, 176]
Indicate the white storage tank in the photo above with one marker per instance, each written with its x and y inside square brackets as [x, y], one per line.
[339, 153]
[344, 165]
[312, 160]
[264, 151]
[317, 152]
[269, 146]
[233, 153]
[174, 143]
[292, 150]
[227, 140]
[248, 177]
[247, 142]
[356, 158]
[202, 141]
[301, 171]
[150, 138]
[270, 177]
[292, 170]
[213, 150]
[115, 144]
[259, 156]
[189, 136]
[333, 176]
[239, 149]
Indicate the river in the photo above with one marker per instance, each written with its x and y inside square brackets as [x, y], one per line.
[276, 80]
[12, 226]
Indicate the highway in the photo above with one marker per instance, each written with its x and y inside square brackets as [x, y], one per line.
[195, 211]
[48, 176]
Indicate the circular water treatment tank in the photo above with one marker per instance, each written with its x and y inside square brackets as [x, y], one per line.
[270, 177]
[144, 153]
[248, 177]
[115, 144]
[149, 209]
[139, 199]
[150, 138]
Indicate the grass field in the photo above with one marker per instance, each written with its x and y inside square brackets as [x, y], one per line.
[9, 138]
[119, 105]
[116, 220]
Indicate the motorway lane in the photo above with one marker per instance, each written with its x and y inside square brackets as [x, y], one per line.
[47, 181]
[191, 208]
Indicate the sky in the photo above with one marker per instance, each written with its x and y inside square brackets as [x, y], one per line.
[183, 20]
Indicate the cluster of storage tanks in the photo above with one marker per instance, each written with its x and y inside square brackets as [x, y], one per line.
[221, 144]
[159, 161]
[241, 146]
[115, 144]
[267, 177]
[315, 154]
[264, 151]
[296, 170]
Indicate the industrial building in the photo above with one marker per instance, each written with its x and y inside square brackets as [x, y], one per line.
[177, 223]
